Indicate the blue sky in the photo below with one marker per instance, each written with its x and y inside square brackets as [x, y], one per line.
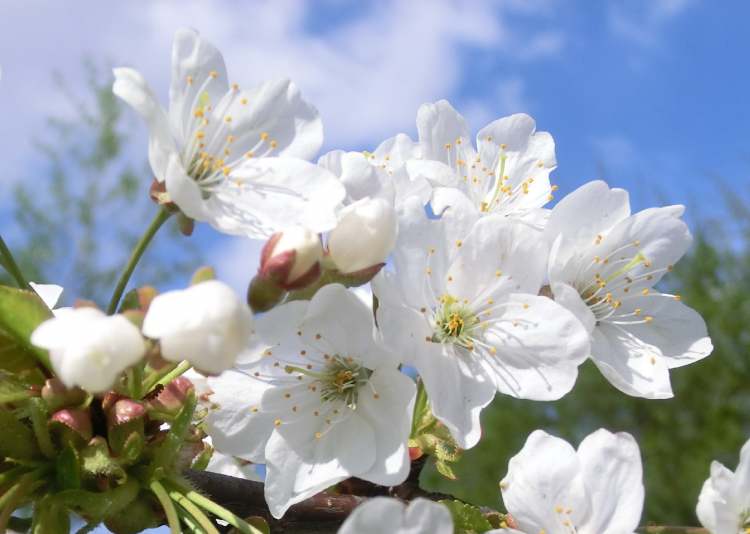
[649, 94]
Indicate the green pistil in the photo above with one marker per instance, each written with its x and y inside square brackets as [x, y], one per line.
[637, 260]
[340, 380]
[454, 323]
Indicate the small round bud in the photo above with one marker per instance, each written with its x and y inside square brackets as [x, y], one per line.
[292, 258]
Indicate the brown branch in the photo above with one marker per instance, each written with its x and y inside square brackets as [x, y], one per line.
[325, 512]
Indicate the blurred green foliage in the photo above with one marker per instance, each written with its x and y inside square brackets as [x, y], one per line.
[76, 219]
[709, 417]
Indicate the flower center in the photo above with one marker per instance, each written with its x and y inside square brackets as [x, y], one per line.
[454, 323]
[339, 380]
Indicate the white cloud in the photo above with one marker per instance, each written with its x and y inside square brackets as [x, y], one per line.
[641, 22]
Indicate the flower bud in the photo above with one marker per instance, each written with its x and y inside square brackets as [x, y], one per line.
[56, 395]
[206, 324]
[125, 411]
[292, 258]
[170, 399]
[364, 236]
[75, 419]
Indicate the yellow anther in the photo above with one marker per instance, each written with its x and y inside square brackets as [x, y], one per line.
[189, 80]
[200, 134]
[648, 318]
[498, 273]
[228, 118]
[263, 136]
[318, 435]
[249, 154]
[277, 422]
[503, 146]
[525, 306]
[637, 311]
[243, 101]
[645, 291]
[213, 74]
[459, 243]
[236, 86]
[447, 146]
[198, 113]
[274, 144]
[678, 297]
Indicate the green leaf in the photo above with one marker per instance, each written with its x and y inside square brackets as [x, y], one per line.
[21, 312]
[17, 438]
[467, 519]
[12, 389]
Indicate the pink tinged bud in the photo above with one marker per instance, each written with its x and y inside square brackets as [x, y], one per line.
[56, 395]
[125, 411]
[76, 419]
[172, 397]
[292, 258]
[365, 235]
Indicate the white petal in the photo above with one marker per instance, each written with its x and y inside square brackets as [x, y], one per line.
[382, 514]
[390, 415]
[714, 510]
[436, 173]
[184, 191]
[225, 464]
[676, 332]
[234, 425]
[629, 364]
[457, 390]
[543, 483]
[265, 195]
[133, 89]
[568, 297]
[539, 346]
[198, 71]
[613, 475]
[439, 124]
[591, 209]
[359, 176]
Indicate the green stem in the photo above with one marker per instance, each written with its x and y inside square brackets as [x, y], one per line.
[7, 261]
[204, 522]
[166, 378]
[172, 520]
[39, 417]
[219, 511]
[135, 381]
[160, 218]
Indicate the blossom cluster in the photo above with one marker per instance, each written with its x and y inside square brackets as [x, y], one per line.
[477, 288]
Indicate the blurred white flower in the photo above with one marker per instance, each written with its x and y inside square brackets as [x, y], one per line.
[228, 156]
[552, 488]
[206, 324]
[49, 293]
[88, 348]
[318, 400]
[291, 258]
[507, 173]
[225, 464]
[462, 307]
[603, 265]
[724, 502]
[383, 514]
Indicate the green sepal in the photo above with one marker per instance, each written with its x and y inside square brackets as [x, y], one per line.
[68, 469]
[203, 274]
[98, 506]
[140, 515]
[21, 311]
[49, 518]
[467, 519]
[200, 463]
[96, 461]
[432, 437]
[167, 454]
[17, 438]
[137, 299]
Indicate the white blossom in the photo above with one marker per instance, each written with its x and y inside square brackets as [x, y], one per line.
[552, 488]
[88, 348]
[507, 173]
[317, 399]
[724, 502]
[462, 308]
[229, 156]
[206, 324]
[382, 514]
[603, 266]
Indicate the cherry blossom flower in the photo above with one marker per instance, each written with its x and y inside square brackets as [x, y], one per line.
[507, 173]
[724, 502]
[206, 324]
[383, 514]
[552, 488]
[603, 266]
[229, 156]
[462, 308]
[88, 348]
[317, 399]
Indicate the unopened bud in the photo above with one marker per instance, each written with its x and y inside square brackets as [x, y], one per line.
[364, 236]
[125, 411]
[292, 258]
[171, 398]
[75, 419]
[57, 395]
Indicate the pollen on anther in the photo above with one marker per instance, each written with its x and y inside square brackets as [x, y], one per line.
[498, 273]
[243, 101]
[277, 422]
[459, 243]
[287, 395]
[189, 80]
[318, 435]
[376, 396]
[318, 336]
[316, 413]
[213, 74]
